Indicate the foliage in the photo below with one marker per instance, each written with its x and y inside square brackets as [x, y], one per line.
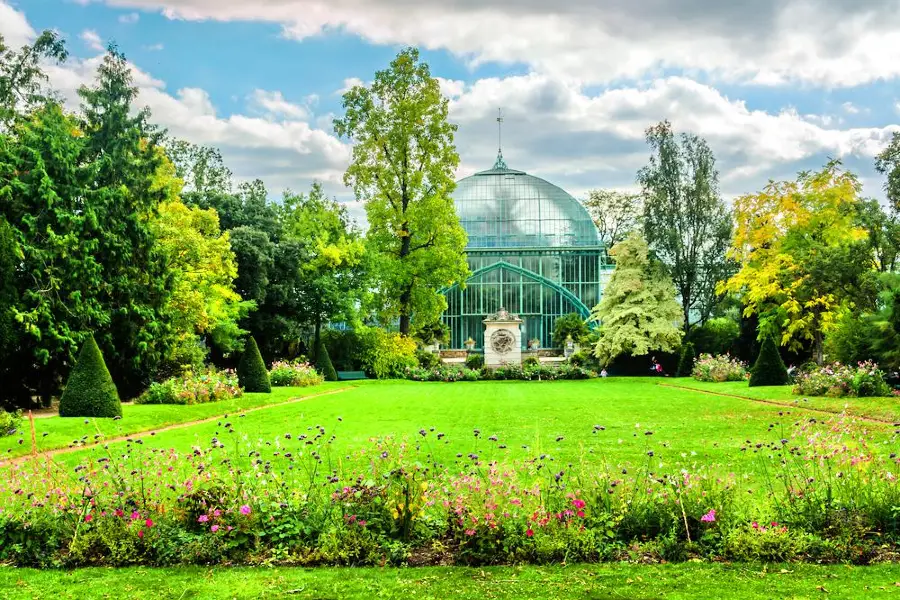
[838, 380]
[295, 374]
[525, 372]
[638, 313]
[430, 333]
[323, 362]
[428, 360]
[22, 79]
[883, 233]
[10, 421]
[769, 369]
[531, 362]
[801, 265]
[571, 324]
[686, 361]
[386, 354]
[717, 336]
[90, 391]
[616, 214]
[193, 388]
[888, 163]
[251, 371]
[686, 223]
[719, 369]
[402, 167]
[474, 361]
[445, 373]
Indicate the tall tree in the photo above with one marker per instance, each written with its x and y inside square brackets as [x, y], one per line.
[638, 313]
[686, 223]
[201, 168]
[21, 78]
[803, 259]
[616, 214]
[888, 164]
[122, 147]
[402, 168]
[883, 229]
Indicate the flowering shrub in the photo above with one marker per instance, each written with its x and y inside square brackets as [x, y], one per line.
[450, 373]
[446, 373]
[837, 380]
[719, 368]
[296, 374]
[9, 422]
[193, 388]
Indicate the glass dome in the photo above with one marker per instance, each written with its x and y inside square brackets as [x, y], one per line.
[505, 208]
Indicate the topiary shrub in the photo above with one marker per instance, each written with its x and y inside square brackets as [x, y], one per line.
[769, 369]
[475, 361]
[251, 371]
[90, 391]
[686, 362]
[324, 364]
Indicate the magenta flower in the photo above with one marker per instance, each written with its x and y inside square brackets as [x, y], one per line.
[203, 519]
[214, 528]
[148, 523]
[88, 518]
[530, 532]
[578, 503]
[245, 510]
[135, 516]
[709, 517]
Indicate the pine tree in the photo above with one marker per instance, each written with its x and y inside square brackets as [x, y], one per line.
[769, 368]
[686, 362]
[90, 391]
[323, 363]
[251, 371]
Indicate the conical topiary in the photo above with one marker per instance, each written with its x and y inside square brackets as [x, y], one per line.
[251, 371]
[90, 391]
[769, 368]
[686, 362]
[323, 363]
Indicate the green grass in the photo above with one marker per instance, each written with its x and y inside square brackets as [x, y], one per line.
[681, 581]
[887, 409]
[62, 432]
[687, 427]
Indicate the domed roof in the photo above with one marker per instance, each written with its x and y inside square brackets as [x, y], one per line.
[505, 208]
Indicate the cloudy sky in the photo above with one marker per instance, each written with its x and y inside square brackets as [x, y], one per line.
[775, 86]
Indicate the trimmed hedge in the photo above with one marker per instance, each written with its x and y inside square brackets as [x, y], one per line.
[686, 362]
[90, 391]
[324, 363]
[252, 373]
[769, 369]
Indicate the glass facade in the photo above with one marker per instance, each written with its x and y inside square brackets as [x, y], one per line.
[533, 249]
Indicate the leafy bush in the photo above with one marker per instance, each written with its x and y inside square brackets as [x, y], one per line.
[687, 360]
[193, 388]
[323, 361]
[9, 422]
[838, 380]
[719, 368]
[294, 374]
[571, 324]
[531, 362]
[769, 369]
[90, 391]
[386, 354]
[475, 361]
[716, 336]
[251, 371]
[446, 373]
[427, 360]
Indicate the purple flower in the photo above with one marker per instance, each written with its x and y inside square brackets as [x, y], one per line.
[709, 517]
[245, 510]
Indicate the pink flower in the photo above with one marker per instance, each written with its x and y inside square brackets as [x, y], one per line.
[581, 513]
[141, 533]
[135, 516]
[578, 503]
[88, 518]
[470, 532]
[530, 532]
[119, 512]
[203, 519]
[214, 528]
[709, 517]
[148, 523]
[245, 510]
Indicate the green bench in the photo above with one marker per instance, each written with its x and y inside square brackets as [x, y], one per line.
[351, 375]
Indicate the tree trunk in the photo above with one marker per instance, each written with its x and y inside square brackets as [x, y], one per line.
[405, 310]
[817, 341]
[317, 337]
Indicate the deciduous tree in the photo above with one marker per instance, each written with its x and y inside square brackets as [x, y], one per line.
[616, 214]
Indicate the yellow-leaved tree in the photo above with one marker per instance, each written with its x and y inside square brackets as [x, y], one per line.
[803, 259]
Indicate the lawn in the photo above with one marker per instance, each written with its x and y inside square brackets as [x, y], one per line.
[681, 581]
[528, 419]
[56, 432]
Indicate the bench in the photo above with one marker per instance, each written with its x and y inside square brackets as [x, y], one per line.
[351, 375]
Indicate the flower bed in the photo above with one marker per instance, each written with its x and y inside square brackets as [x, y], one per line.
[294, 374]
[239, 502]
[9, 422]
[837, 380]
[719, 368]
[193, 388]
[529, 372]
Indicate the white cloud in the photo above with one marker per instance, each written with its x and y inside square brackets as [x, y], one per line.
[14, 27]
[92, 40]
[154, 47]
[273, 104]
[850, 108]
[349, 84]
[129, 18]
[823, 42]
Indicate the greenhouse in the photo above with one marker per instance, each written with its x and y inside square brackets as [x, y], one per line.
[533, 250]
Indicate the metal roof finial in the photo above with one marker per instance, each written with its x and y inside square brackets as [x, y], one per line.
[500, 163]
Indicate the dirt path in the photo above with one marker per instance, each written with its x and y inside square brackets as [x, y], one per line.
[781, 404]
[47, 454]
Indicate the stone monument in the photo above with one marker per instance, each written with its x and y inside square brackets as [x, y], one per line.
[502, 339]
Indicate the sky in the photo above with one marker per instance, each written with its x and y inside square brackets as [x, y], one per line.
[774, 86]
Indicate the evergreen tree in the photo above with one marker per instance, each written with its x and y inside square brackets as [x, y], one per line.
[251, 371]
[638, 313]
[90, 391]
[769, 369]
[686, 362]
[323, 363]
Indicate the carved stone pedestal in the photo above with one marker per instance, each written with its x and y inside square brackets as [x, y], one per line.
[502, 339]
